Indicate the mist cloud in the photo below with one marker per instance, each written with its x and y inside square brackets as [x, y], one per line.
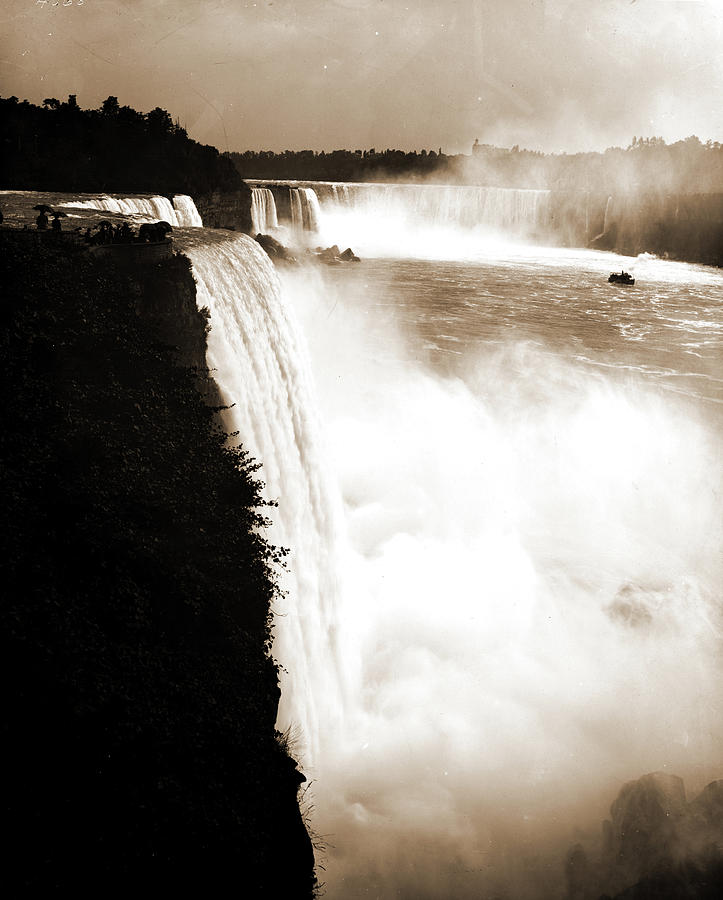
[548, 74]
[529, 612]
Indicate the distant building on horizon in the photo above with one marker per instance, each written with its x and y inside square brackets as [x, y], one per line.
[478, 149]
[487, 150]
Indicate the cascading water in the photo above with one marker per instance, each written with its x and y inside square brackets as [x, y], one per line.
[507, 210]
[422, 221]
[151, 209]
[513, 610]
[531, 519]
[263, 211]
[186, 213]
[259, 361]
[498, 483]
[305, 210]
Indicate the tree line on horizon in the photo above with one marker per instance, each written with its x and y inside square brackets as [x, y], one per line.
[60, 146]
[645, 165]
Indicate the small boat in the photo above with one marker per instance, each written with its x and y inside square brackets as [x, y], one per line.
[621, 278]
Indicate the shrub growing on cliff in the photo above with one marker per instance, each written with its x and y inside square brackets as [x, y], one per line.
[140, 696]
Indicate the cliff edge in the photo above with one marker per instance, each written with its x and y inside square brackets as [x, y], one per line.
[141, 697]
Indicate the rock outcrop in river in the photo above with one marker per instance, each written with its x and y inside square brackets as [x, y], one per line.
[655, 845]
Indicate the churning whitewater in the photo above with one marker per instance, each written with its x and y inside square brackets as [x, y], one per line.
[499, 480]
[376, 217]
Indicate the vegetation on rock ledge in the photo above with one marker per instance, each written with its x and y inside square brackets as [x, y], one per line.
[141, 697]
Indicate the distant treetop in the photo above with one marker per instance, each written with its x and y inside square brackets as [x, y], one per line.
[62, 147]
[647, 164]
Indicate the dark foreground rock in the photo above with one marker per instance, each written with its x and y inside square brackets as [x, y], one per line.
[140, 756]
[230, 210]
[332, 255]
[275, 249]
[680, 226]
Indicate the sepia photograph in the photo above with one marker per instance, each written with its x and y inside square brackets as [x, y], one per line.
[361, 461]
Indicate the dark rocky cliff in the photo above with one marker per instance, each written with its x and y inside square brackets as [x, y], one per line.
[655, 846]
[687, 227]
[140, 696]
[226, 209]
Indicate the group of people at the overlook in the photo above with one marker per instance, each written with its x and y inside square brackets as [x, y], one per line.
[42, 221]
[104, 232]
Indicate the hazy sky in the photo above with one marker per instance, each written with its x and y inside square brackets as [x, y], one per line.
[323, 74]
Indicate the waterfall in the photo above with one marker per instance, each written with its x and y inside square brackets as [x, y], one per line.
[412, 220]
[341, 194]
[151, 209]
[313, 209]
[507, 209]
[305, 210]
[263, 211]
[258, 358]
[608, 209]
[186, 212]
[510, 210]
[297, 215]
[465, 674]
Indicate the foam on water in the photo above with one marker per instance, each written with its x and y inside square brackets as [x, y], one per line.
[530, 605]
[503, 596]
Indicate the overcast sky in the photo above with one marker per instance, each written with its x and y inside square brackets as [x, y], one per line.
[323, 74]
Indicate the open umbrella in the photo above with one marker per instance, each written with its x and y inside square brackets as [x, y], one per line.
[43, 207]
[58, 212]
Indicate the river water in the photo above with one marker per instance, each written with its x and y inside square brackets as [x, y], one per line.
[528, 460]
[499, 477]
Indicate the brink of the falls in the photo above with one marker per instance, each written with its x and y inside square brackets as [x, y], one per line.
[181, 212]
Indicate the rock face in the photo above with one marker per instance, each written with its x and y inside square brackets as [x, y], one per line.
[275, 249]
[646, 818]
[138, 724]
[655, 845]
[606, 240]
[688, 227]
[682, 226]
[333, 255]
[226, 209]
